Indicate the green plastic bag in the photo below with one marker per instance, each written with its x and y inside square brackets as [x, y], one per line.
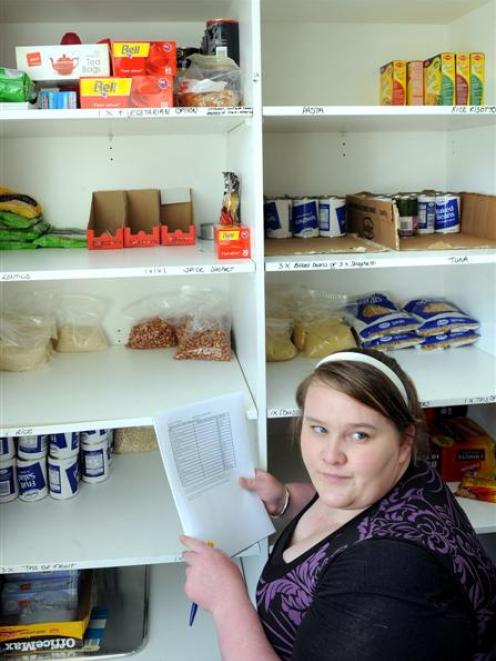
[17, 245]
[17, 222]
[28, 234]
[15, 86]
[63, 238]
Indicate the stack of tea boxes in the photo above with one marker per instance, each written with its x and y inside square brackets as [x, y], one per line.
[443, 80]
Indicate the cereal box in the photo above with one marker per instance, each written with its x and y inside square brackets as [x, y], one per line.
[393, 83]
[462, 79]
[439, 80]
[415, 83]
[477, 66]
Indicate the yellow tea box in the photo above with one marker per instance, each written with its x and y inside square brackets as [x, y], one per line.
[439, 80]
[415, 83]
[393, 83]
[462, 85]
[477, 71]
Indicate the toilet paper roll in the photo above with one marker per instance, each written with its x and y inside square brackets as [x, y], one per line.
[63, 477]
[95, 465]
[32, 478]
[9, 488]
[7, 447]
[64, 445]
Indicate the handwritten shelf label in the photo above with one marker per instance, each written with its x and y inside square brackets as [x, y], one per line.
[312, 110]
[283, 413]
[15, 277]
[474, 110]
[325, 265]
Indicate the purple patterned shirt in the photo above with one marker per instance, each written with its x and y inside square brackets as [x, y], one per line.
[419, 510]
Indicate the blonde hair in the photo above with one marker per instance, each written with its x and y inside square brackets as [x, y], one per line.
[371, 387]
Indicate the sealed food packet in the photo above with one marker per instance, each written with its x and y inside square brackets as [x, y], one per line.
[25, 234]
[154, 320]
[15, 221]
[19, 203]
[477, 488]
[278, 345]
[230, 212]
[376, 315]
[210, 81]
[393, 342]
[62, 238]
[15, 86]
[437, 315]
[447, 340]
[79, 323]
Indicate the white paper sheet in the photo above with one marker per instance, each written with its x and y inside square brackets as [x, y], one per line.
[205, 450]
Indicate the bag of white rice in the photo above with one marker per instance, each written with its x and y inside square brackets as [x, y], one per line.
[79, 323]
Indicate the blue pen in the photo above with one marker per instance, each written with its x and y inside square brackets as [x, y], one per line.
[194, 607]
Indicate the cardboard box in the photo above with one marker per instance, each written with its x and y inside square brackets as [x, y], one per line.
[176, 217]
[137, 92]
[377, 220]
[18, 638]
[232, 242]
[142, 228]
[462, 75]
[108, 215]
[415, 83]
[477, 77]
[393, 83]
[139, 58]
[439, 80]
[63, 62]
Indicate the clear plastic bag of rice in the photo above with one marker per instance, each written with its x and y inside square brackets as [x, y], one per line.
[79, 323]
[135, 439]
[25, 341]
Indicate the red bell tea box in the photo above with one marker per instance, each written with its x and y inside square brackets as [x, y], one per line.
[140, 58]
[137, 92]
[232, 242]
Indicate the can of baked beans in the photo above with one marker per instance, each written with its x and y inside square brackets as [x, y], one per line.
[222, 38]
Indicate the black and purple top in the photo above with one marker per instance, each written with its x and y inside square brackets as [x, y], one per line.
[406, 579]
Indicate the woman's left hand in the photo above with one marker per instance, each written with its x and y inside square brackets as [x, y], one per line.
[212, 578]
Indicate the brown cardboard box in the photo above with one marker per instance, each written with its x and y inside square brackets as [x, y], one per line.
[108, 216]
[377, 220]
[176, 217]
[321, 245]
[143, 219]
[18, 638]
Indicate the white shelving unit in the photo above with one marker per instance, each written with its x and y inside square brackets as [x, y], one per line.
[317, 129]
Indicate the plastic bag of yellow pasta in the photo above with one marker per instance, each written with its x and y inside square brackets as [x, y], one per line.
[278, 345]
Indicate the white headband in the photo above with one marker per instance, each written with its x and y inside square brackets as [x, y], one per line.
[353, 357]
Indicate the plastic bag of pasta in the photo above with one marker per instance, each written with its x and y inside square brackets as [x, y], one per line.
[278, 345]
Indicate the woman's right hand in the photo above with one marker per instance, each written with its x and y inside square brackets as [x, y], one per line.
[268, 489]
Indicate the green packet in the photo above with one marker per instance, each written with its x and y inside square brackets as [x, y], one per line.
[15, 86]
[17, 245]
[17, 222]
[63, 238]
[28, 234]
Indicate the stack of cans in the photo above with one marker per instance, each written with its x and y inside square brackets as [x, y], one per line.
[305, 217]
[428, 212]
[32, 467]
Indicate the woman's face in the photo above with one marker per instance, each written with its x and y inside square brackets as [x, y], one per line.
[353, 454]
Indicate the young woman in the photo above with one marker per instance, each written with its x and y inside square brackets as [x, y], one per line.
[379, 562]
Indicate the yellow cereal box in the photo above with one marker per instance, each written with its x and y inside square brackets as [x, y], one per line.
[415, 83]
[439, 80]
[477, 67]
[393, 83]
[462, 85]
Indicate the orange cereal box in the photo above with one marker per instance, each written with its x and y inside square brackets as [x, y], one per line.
[462, 85]
[415, 83]
[439, 80]
[393, 83]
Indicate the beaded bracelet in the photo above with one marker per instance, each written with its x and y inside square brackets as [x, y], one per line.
[284, 508]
